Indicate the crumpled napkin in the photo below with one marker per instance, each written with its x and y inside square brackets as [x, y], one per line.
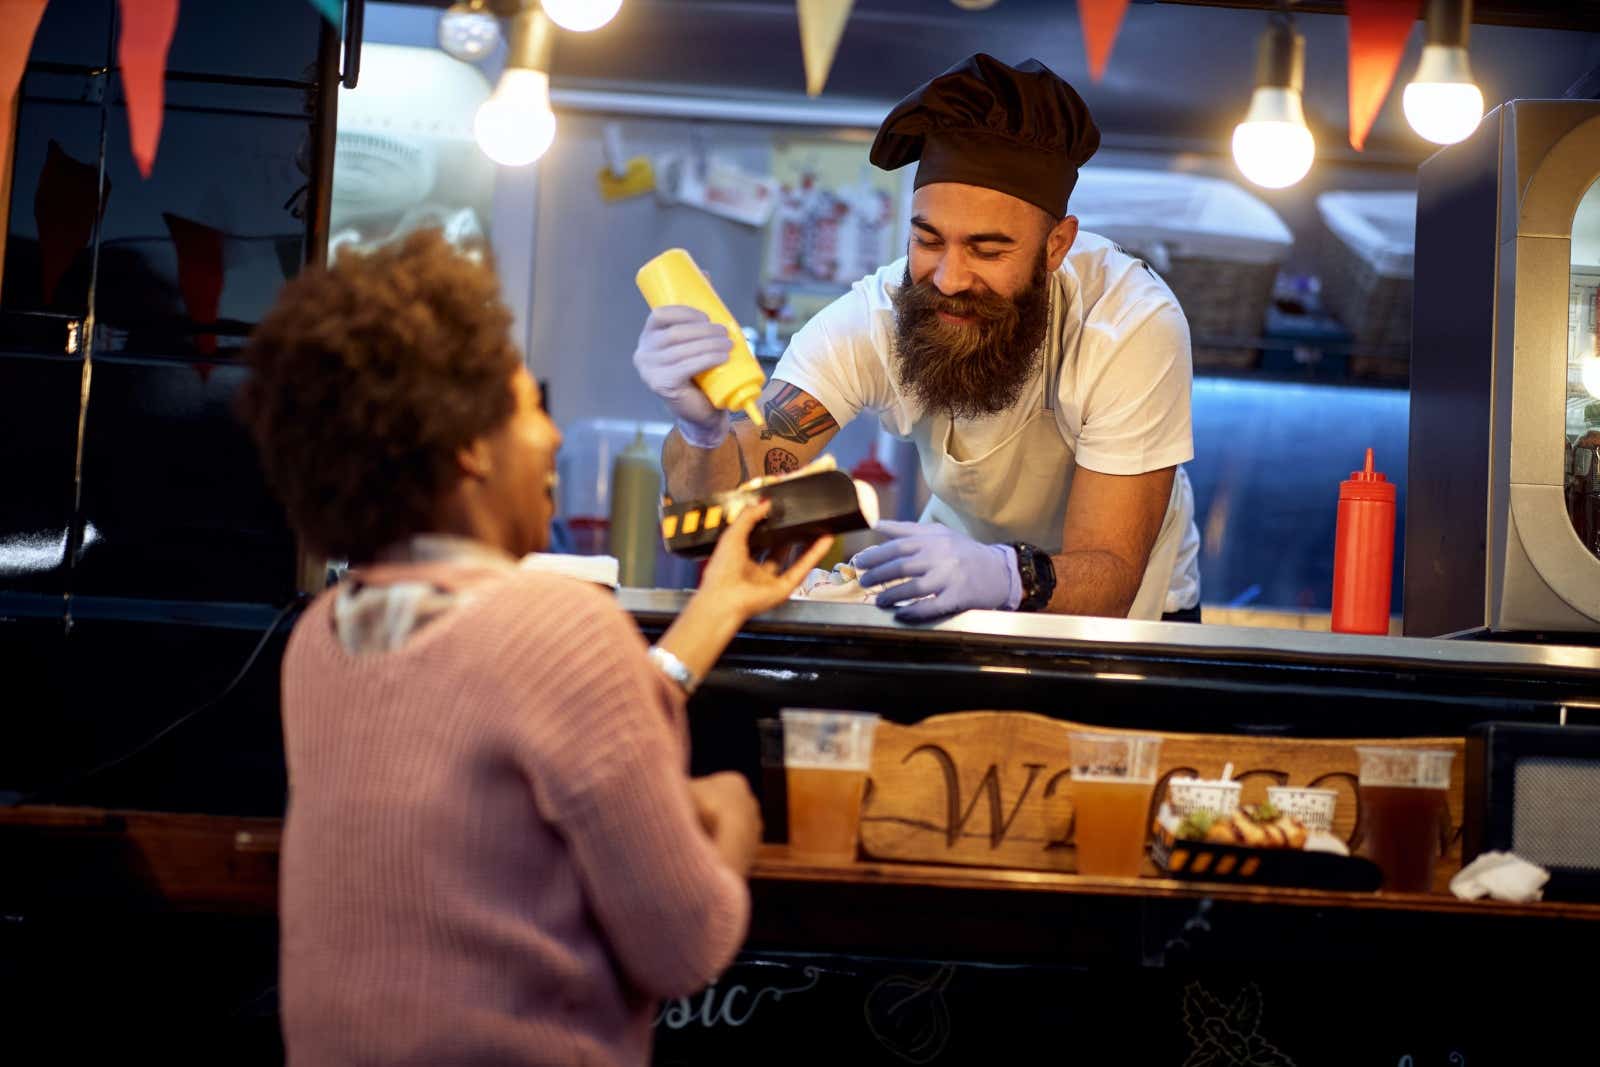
[842, 584]
[1501, 875]
[1322, 841]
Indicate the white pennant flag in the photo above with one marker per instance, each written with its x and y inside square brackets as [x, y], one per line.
[821, 26]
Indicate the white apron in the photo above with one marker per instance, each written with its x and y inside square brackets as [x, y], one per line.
[1017, 491]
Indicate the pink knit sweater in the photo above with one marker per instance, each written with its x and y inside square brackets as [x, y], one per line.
[491, 856]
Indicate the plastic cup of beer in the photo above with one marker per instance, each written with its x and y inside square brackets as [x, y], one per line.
[1113, 777]
[826, 756]
[1403, 793]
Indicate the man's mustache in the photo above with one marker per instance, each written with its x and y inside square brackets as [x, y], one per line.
[967, 304]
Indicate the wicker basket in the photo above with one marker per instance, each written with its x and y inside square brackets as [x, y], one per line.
[1216, 246]
[1374, 304]
[1225, 302]
[1226, 305]
[1375, 308]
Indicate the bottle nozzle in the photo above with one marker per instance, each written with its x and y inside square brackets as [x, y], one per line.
[1369, 473]
[754, 411]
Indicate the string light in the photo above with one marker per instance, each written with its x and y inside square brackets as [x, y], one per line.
[1443, 103]
[581, 16]
[516, 126]
[468, 31]
[1272, 146]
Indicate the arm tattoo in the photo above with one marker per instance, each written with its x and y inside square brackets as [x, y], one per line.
[795, 416]
[738, 447]
[782, 461]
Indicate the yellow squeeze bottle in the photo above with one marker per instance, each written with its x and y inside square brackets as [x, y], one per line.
[734, 385]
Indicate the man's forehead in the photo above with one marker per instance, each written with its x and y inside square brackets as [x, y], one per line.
[956, 208]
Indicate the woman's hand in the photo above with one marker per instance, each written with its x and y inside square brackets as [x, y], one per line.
[730, 817]
[733, 588]
[738, 584]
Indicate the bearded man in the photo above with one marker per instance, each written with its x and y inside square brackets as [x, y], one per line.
[1043, 373]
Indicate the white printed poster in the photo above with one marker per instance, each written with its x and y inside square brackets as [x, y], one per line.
[838, 217]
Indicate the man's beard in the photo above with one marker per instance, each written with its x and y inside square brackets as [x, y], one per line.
[970, 369]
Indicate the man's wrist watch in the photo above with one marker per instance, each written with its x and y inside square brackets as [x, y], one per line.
[1038, 573]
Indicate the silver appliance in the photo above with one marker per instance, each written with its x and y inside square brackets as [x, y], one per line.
[1505, 381]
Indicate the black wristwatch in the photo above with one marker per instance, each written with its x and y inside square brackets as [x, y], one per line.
[1038, 574]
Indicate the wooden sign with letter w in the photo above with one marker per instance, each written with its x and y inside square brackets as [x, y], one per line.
[994, 788]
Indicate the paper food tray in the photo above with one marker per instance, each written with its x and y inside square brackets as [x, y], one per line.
[819, 499]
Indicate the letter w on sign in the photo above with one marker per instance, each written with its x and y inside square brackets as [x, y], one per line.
[956, 816]
[933, 783]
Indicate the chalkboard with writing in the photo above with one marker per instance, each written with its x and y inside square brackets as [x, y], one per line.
[782, 1008]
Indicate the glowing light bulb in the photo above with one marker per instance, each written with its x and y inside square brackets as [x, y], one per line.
[1272, 145]
[1443, 103]
[581, 15]
[468, 32]
[515, 126]
[1589, 369]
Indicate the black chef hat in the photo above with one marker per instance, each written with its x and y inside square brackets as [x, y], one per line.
[1021, 130]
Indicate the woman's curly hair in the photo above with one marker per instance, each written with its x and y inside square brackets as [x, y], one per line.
[368, 377]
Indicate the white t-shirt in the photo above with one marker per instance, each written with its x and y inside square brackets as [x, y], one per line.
[1123, 394]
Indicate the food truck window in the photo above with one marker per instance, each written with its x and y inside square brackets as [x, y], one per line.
[405, 158]
[1582, 454]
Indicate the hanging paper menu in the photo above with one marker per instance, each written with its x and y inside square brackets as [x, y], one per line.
[836, 218]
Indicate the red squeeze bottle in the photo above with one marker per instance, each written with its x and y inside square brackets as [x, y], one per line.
[1363, 553]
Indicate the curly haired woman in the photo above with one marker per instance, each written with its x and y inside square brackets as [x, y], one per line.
[493, 852]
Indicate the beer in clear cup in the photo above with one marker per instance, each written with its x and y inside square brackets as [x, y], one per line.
[1113, 777]
[826, 757]
[1403, 793]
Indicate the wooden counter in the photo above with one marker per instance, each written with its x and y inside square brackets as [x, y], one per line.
[774, 865]
[59, 858]
[164, 925]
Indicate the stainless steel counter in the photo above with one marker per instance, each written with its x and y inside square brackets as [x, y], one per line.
[1179, 638]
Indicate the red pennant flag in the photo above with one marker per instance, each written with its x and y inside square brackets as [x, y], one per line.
[1100, 19]
[65, 206]
[20, 19]
[199, 273]
[147, 27]
[1378, 33]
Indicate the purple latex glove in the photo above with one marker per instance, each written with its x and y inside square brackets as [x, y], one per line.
[949, 568]
[676, 344]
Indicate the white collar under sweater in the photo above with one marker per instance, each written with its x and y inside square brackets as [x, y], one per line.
[380, 618]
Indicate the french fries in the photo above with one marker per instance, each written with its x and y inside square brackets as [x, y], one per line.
[1252, 826]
